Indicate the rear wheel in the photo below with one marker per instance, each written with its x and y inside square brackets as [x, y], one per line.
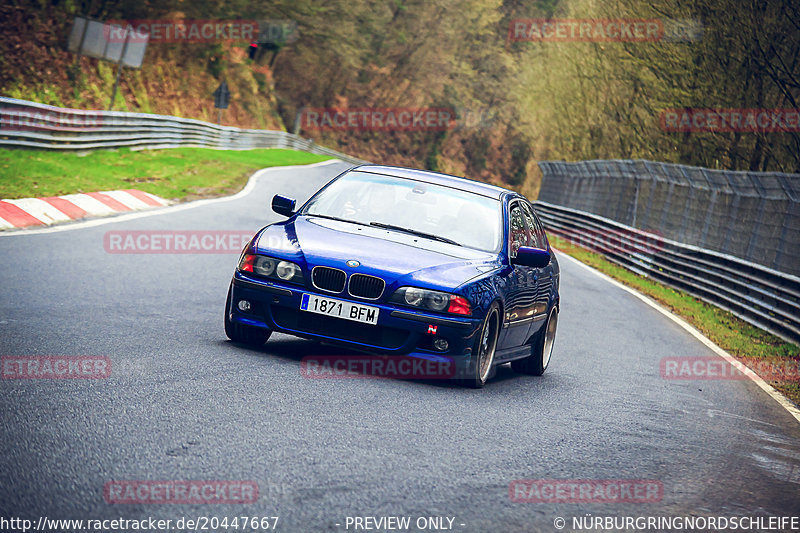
[484, 349]
[241, 333]
[536, 363]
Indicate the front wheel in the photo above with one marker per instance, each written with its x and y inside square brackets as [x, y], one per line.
[484, 349]
[536, 363]
[241, 333]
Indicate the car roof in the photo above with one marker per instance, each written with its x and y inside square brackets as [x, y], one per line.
[437, 178]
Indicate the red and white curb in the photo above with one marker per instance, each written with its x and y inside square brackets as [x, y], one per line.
[27, 212]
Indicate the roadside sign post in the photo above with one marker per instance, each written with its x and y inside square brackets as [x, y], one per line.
[298, 120]
[119, 67]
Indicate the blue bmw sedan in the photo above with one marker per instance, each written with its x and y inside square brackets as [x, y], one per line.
[407, 263]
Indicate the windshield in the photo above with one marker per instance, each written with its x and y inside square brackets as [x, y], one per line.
[430, 211]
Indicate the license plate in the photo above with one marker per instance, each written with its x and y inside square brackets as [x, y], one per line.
[339, 308]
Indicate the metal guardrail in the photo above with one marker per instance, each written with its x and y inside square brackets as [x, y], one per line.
[25, 124]
[759, 295]
[751, 215]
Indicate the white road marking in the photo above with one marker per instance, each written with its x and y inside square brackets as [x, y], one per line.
[766, 387]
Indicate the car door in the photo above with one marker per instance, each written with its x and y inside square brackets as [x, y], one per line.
[520, 304]
[544, 276]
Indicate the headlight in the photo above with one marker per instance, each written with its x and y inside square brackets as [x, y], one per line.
[432, 300]
[413, 296]
[437, 301]
[264, 266]
[271, 268]
[286, 270]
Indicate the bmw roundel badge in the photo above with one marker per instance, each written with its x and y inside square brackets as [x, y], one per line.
[352, 263]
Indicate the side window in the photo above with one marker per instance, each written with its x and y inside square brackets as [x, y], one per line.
[541, 232]
[537, 231]
[519, 233]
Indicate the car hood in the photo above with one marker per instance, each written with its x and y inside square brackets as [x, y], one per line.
[399, 258]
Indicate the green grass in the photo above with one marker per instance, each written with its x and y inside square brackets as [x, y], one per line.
[745, 342]
[178, 173]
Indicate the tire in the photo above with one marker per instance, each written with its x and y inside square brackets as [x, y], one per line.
[541, 350]
[240, 333]
[483, 351]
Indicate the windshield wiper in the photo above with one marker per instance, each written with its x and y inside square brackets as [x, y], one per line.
[414, 232]
[329, 217]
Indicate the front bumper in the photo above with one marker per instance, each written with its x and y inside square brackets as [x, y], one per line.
[400, 331]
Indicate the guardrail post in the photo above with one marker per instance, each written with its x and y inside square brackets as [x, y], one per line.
[119, 67]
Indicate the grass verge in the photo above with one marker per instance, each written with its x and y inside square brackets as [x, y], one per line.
[177, 174]
[759, 350]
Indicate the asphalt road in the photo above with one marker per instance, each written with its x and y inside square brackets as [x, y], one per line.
[183, 403]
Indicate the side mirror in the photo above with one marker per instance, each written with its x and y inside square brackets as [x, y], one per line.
[283, 205]
[531, 257]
